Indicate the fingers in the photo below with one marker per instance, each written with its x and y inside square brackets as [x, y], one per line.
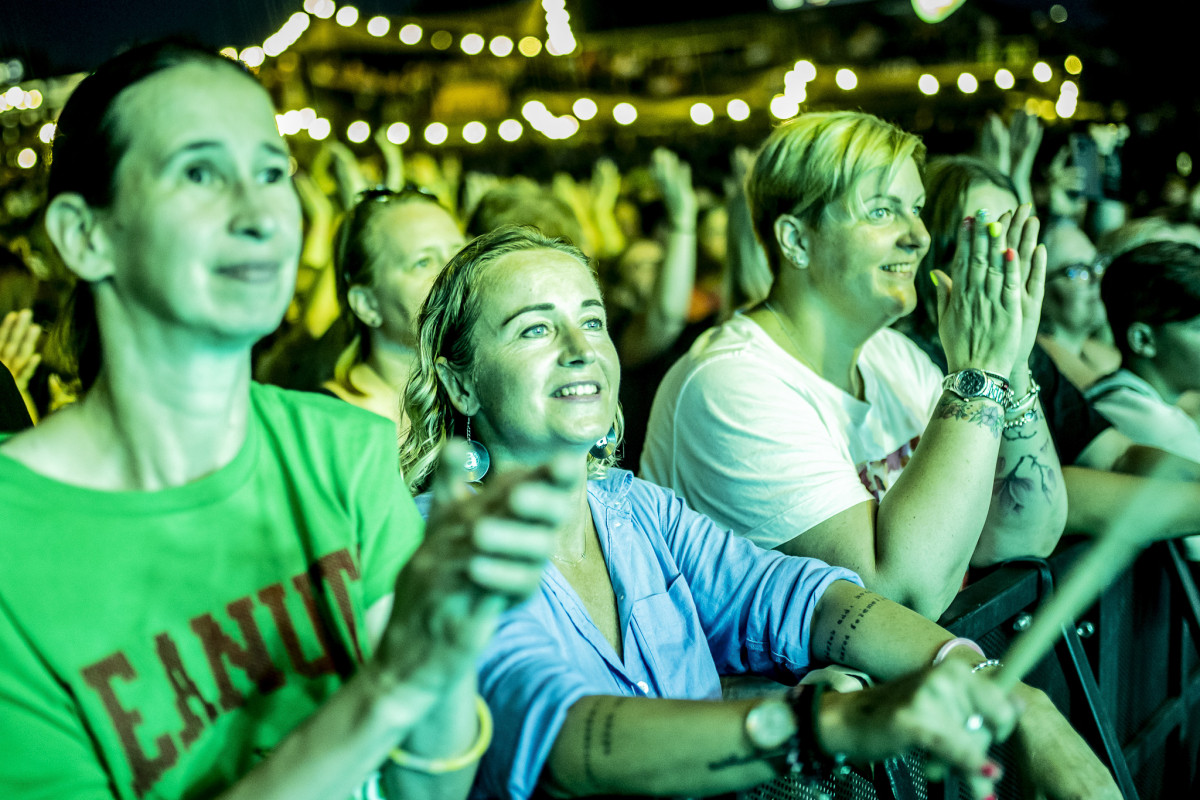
[942, 284]
[448, 485]
[997, 264]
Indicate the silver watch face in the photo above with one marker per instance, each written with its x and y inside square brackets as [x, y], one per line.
[971, 383]
[770, 724]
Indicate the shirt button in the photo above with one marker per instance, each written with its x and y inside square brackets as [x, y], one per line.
[645, 687]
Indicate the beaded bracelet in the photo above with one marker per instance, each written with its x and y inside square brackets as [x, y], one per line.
[439, 766]
[1022, 407]
[1029, 416]
[990, 663]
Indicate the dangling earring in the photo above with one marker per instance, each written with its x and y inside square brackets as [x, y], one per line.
[605, 446]
[478, 459]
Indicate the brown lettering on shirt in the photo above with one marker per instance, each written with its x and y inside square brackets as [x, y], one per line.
[146, 770]
[273, 598]
[254, 659]
[252, 656]
[185, 690]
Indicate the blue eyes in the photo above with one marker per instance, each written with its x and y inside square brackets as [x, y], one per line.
[207, 175]
[884, 213]
[542, 329]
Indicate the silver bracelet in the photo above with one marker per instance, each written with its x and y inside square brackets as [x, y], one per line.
[1029, 416]
[989, 664]
[1019, 408]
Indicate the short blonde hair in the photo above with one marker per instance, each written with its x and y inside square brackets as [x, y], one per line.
[445, 329]
[810, 166]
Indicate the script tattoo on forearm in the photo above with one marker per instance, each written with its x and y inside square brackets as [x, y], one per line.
[598, 732]
[986, 415]
[839, 638]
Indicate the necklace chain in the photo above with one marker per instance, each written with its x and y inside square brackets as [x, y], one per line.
[579, 560]
[783, 327]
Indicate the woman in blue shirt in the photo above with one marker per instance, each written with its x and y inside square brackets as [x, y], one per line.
[595, 681]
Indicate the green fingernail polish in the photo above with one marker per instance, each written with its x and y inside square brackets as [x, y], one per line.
[994, 229]
[981, 214]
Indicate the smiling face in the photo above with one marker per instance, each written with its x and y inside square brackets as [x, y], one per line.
[203, 233]
[862, 263]
[410, 244]
[545, 374]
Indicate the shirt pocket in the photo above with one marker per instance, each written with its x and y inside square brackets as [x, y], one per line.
[672, 645]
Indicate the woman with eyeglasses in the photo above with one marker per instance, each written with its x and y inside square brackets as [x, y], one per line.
[389, 249]
[212, 588]
[1074, 330]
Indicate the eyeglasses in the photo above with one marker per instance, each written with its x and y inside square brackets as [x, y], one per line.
[1080, 271]
[385, 193]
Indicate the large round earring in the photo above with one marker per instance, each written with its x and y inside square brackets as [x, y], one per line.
[478, 459]
[605, 446]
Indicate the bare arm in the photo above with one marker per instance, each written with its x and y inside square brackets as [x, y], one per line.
[1165, 509]
[482, 553]
[915, 547]
[654, 329]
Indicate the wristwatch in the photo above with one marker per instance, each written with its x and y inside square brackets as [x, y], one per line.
[971, 382]
[770, 725]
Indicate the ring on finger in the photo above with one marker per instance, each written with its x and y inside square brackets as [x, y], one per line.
[974, 722]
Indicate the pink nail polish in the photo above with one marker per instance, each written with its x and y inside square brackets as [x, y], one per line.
[990, 770]
[1010, 255]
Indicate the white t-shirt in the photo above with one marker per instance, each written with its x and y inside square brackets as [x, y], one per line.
[758, 441]
[1136, 409]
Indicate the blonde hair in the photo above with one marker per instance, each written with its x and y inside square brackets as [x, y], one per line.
[445, 330]
[809, 166]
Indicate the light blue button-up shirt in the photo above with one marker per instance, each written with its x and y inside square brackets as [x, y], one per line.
[695, 602]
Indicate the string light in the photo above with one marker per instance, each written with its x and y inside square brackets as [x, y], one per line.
[1042, 72]
[320, 129]
[346, 16]
[928, 84]
[846, 79]
[784, 107]
[584, 108]
[252, 56]
[378, 26]
[322, 9]
[46, 132]
[529, 46]
[26, 158]
[398, 133]
[471, 44]
[1073, 65]
[358, 132]
[737, 109]
[510, 130]
[560, 41]
[501, 46]
[805, 70]
[702, 113]
[967, 83]
[1004, 79]
[286, 36]
[624, 113]
[474, 132]
[441, 40]
[410, 33]
[436, 133]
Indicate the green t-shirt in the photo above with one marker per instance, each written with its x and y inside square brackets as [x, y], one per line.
[159, 644]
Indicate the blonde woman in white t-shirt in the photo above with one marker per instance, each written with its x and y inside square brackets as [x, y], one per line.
[799, 420]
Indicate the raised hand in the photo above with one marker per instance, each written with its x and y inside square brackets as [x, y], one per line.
[992, 288]
[946, 710]
[482, 553]
[674, 178]
[19, 336]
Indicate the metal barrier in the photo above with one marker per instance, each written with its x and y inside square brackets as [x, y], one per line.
[1127, 675]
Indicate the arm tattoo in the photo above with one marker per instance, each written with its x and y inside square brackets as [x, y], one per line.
[839, 637]
[1014, 491]
[598, 730]
[988, 416]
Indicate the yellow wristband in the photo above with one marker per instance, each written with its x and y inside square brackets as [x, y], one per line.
[439, 766]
